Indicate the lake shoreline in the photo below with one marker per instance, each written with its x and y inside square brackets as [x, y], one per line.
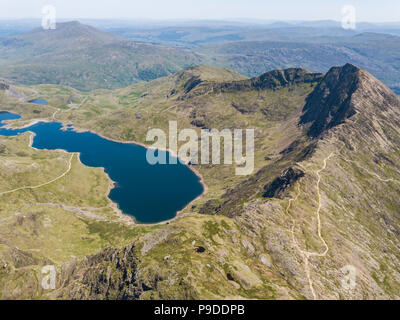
[179, 214]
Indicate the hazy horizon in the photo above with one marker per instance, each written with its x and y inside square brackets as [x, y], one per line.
[384, 11]
[234, 20]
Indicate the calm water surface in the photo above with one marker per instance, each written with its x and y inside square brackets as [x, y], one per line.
[150, 193]
[38, 101]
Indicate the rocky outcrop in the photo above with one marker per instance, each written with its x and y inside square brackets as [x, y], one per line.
[273, 79]
[343, 92]
[20, 258]
[191, 84]
[109, 274]
[268, 81]
[330, 103]
[198, 123]
[4, 85]
[277, 187]
[283, 78]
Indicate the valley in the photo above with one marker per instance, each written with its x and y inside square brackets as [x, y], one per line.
[324, 194]
[135, 181]
[86, 58]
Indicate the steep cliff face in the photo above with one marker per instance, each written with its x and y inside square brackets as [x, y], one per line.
[343, 212]
[271, 80]
[109, 274]
[277, 187]
[283, 78]
[341, 93]
[330, 103]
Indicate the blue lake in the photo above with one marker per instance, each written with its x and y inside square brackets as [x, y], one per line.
[38, 101]
[150, 193]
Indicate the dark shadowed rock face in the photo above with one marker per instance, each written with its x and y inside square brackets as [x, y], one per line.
[283, 78]
[277, 187]
[268, 81]
[343, 92]
[273, 79]
[331, 101]
[192, 83]
[4, 86]
[109, 274]
[116, 274]
[198, 123]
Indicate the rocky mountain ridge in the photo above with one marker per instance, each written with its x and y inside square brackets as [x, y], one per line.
[328, 202]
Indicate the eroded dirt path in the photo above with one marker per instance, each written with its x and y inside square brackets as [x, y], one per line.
[370, 172]
[307, 254]
[71, 108]
[43, 184]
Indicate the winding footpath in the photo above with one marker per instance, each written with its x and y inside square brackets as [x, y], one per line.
[72, 108]
[43, 184]
[307, 254]
[370, 172]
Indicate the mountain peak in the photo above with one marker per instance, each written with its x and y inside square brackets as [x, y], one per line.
[206, 79]
[343, 92]
[282, 78]
[67, 34]
[209, 73]
[330, 102]
[72, 23]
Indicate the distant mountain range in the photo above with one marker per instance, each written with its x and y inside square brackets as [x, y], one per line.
[83, 57]
[86, 58]
[318, 218]
[249, 57]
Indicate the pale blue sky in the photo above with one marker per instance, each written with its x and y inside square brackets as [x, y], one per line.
[367, 10]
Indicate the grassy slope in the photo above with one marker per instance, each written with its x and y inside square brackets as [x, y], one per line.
[103, 108]
[249, 57]
[86, 58]
[83, 57]
[127, 114]
[67, 219]
[256, 247]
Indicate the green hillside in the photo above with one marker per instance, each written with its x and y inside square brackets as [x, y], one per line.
[83, 57]
[324, 194]
[86, 58]
[249, 57]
